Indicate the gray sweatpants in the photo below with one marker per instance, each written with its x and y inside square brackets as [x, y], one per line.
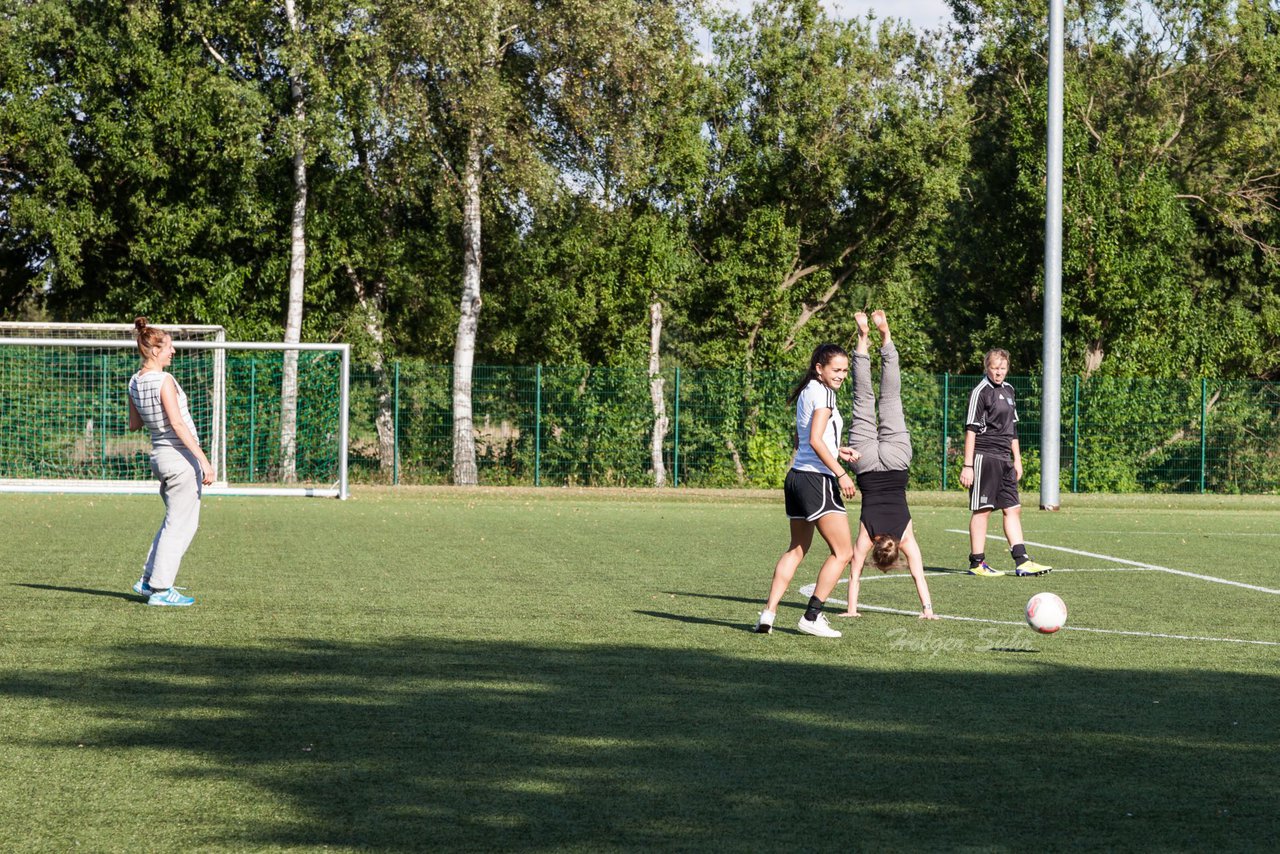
[180, 487]
[887, 448]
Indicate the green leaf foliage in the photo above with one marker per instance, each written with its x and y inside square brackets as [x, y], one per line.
[761, 176]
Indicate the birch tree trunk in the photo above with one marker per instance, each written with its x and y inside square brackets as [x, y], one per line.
[660, 421]
[297, 272]
[464, 440]
[372, 306]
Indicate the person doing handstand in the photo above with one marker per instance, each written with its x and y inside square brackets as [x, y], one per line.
[881, 457]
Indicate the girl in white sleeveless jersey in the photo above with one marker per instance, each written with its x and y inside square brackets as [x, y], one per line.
[157, 402]
[815, 489]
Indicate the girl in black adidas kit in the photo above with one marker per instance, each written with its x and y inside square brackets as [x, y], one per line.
[884, 455]
[993, 467]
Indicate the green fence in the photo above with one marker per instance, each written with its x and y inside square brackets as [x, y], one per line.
[253, 423]
[591, 426]
[63, 415]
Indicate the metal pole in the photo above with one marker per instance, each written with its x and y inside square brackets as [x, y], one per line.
[395, 429]
[1075, 436]
[126, 343]
[1204, 426]
[253, 415]
[675, 460]
[102, 421]
[537, 428]
[344, 422]
[946, 400]
[219, 437]
[1051, 393]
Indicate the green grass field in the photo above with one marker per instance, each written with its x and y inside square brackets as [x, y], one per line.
[560, 669]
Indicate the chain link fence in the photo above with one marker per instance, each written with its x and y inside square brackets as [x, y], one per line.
[593, 426]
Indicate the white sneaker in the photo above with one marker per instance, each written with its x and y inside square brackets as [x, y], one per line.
[764, 624]
[818, 628]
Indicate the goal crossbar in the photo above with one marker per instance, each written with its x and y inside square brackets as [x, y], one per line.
[128, 328]
[341, 491]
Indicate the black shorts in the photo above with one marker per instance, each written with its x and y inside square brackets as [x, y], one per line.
[811, 495]
[995, 483]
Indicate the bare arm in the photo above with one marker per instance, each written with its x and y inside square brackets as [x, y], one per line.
[861, 548]
[1017, 459]
[966, 473]
[975, 419]
[173, 412]
[135, 419]
[915, 565]
[817, 427]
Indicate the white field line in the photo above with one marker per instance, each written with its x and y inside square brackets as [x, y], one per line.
[942, 573]
[807, 590]
[1195, 575]
[1108, 569]
[1196, 534]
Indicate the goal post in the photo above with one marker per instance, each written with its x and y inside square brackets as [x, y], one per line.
[64, 415]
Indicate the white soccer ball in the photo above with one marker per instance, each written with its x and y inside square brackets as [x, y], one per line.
[1046, 613]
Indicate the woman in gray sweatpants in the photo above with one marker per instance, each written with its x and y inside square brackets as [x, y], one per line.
[884, 527]
[157, 402]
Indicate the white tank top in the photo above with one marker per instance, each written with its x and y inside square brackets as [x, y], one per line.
[144, 391]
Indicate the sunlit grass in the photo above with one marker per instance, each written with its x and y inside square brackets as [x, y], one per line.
[561, 669]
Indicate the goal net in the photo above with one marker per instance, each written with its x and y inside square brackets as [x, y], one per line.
[64, 412]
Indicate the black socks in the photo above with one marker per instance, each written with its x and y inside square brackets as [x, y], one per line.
[815, 608]
[1019, 553]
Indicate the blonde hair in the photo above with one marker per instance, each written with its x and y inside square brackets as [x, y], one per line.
[994, 353]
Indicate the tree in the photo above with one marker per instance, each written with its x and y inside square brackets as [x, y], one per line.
[836, 147]
[496, 94]
[297, 253]
[319, 73]
[131, 175]
[1171, 110]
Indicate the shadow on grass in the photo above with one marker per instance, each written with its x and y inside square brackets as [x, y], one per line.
[700, 621]
[758, 601]
[438, 744]
[84, 591]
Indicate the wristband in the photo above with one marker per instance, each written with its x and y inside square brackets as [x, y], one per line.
[967, 466]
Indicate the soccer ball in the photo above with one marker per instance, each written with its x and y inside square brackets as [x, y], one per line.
[1046, 613]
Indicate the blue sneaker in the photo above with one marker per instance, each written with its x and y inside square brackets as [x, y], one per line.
[141, 587]
[170, 598]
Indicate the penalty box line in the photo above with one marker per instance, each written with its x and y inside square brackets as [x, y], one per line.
[1137, 563]
[807, 590]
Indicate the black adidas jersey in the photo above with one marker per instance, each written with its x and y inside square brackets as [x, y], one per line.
[992, 418]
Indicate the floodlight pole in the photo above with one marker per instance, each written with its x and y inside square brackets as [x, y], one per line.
[1051, 392]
